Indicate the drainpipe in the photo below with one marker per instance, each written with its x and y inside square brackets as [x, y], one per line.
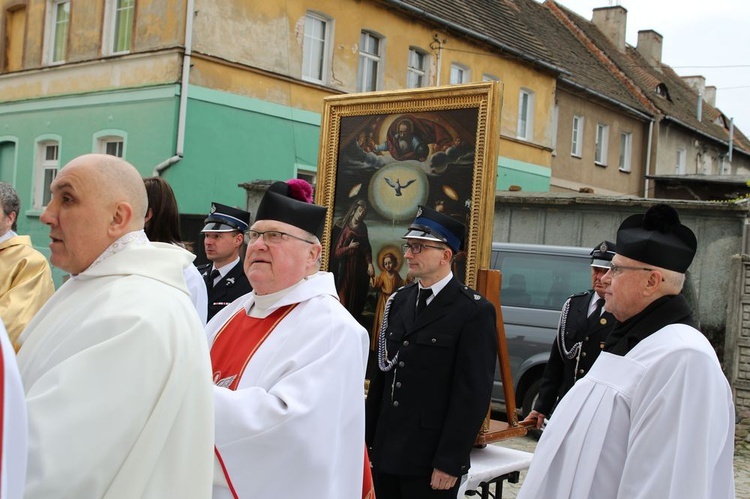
[647, 181]
[731, 138]
[182, 113]
[439, 50]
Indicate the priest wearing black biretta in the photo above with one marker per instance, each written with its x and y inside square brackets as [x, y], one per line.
[289, 365]
[654, 416]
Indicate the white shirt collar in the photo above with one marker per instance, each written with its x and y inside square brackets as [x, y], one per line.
[7, 236]
[438, 286]
[224, 269]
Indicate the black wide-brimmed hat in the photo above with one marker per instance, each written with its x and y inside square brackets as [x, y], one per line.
[226, 219]
[601, 255]
[432, 225]
[291, 202]
[657, 238]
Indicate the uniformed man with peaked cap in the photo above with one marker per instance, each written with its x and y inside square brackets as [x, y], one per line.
[224, 232]
[584, 325]
[437, 353]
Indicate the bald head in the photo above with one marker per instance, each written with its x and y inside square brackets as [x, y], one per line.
[96, 199]
[118, 181]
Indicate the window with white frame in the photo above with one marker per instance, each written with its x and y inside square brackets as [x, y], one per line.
[576, 146]
[416, 71]
[489, 77]
[47, 164]
[626, 151]
[118, 34]
[681, 161]
[370, 47]
[56, 35]
[525, 127]
[459, 74]
[310, 175]
[315, 48]
[114, 146]
[602, 142]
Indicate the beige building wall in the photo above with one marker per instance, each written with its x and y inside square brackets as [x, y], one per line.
[256, 50]
[571, 173]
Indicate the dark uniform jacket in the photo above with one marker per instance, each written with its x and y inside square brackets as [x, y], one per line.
[229, 288]
[560, 373]
[427, 411]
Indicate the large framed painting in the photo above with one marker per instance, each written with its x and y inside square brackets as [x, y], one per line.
[382, 155]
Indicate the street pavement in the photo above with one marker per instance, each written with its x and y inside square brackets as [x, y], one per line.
[528, 444]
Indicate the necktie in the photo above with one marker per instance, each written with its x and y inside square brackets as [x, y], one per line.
[212, 278]
[598, 310]
[424, 293]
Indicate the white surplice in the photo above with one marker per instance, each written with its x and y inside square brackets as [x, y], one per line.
[656, 423]
[118, 383]
[14, 428]
[295, 425]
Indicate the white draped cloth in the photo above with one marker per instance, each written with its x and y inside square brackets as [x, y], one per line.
[295, 425]
[14, 428]
[656, 423]
[118, 382]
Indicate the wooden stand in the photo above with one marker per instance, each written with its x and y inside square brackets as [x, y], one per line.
[488, 284]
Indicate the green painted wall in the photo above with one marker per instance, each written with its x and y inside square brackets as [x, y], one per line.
[530, 177]
[230, 140]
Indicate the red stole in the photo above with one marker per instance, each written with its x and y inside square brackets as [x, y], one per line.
[233, 347]
[237, 341]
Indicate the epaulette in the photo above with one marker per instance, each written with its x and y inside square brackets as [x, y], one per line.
[471, 294]
[582, 293]
[408, 285]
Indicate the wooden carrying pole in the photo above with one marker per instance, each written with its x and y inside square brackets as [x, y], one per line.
[488, 284]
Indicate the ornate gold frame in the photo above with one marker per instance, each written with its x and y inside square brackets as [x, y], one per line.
[484, 97]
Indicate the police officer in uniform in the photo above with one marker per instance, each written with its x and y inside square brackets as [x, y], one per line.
[584, 325]
[437, 353]
[224, 237]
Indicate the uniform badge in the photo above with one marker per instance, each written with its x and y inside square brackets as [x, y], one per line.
[603, 247]
[230, 281]
[477, 297]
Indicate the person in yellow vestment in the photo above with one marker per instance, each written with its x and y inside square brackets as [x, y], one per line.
[25, 277]
[289, 366]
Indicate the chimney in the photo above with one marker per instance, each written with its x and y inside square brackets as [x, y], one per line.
[710, 95]
[612, 21]
[697, 83]
[649, 46]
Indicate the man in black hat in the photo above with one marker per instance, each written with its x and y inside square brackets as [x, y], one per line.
[654, 417]
[289, 365]
[224, 233]
[584, 325]
[437, 353]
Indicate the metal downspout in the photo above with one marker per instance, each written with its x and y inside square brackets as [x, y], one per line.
[647, 181]
[182, 113]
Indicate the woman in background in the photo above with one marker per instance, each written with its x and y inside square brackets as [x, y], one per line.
[163, 226]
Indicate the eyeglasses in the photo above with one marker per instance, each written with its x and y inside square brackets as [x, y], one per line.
[619, 269]
[272, 237]
[416, 248]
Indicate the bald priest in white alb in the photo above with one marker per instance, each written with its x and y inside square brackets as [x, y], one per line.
[115, 365]
[289, 365]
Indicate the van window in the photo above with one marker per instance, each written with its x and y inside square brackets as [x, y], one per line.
[540, 280]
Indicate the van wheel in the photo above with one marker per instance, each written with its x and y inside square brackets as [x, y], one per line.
[529, 398]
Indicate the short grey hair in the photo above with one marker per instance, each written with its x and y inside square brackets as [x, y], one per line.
[11, 202]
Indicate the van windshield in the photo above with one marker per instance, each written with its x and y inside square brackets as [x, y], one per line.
[542, 281]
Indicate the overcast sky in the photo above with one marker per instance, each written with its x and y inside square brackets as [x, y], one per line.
[711, 39]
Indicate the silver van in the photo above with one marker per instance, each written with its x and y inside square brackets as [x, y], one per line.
[536, 281]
